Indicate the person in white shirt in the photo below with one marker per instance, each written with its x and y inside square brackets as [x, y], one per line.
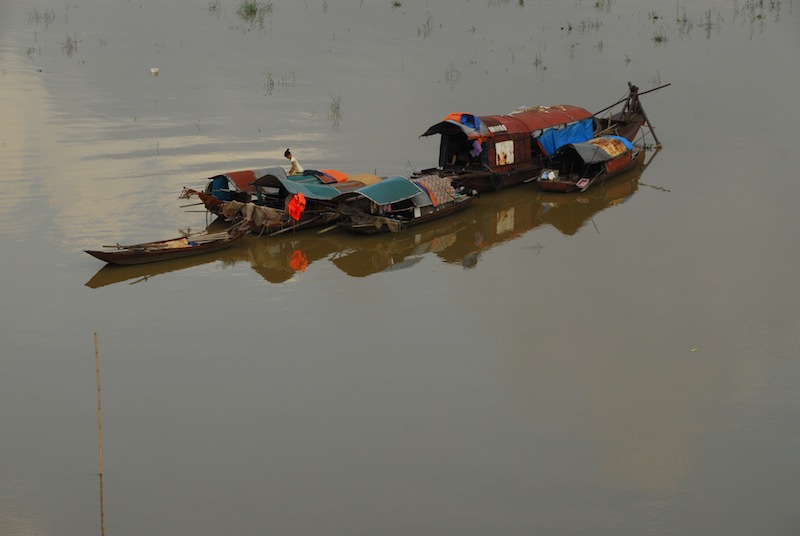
[296, 168]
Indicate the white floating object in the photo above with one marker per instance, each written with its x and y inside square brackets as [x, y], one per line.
[154, 71]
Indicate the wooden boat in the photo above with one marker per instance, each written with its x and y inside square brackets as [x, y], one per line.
[577, 166]
[492, 152]
[173, 248]
[272, 202]
[397, 203]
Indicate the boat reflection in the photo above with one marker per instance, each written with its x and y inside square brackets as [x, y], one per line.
[110, 274]
[460, 239]
[570, 214]
[280, 258]
[509, 214]
[394, 252]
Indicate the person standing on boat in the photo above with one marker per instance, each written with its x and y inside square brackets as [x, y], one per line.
[296, 168]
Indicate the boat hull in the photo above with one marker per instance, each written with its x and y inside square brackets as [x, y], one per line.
[490, 181]
[382, 225]
[308, 220]
[574, 182]
[164, 250]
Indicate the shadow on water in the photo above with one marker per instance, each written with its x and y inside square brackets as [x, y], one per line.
[460, 239]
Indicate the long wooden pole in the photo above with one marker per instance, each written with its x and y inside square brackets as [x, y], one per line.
[99, 414]
[102, 514]
[626, 98]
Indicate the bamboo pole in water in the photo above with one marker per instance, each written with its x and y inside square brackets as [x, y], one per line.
[99, 415]
[102, 515]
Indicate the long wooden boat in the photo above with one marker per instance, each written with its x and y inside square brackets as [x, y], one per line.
[397, 203]
[492, 152]
[577, 166]
[173, 248]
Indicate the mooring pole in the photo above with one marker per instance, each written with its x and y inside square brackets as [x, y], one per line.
[99, 415]
[652, 130]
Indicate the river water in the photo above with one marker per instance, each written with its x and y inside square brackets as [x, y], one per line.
[623, 361]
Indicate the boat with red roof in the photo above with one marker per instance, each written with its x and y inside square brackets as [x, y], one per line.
[492, 152]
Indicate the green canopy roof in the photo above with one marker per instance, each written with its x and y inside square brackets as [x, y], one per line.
[312, 191]
[309, 186]
[390, 190]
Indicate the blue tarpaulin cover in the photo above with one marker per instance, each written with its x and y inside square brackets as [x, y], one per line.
[220, 188]
[553, 138]
[626, 142]
[471, 121]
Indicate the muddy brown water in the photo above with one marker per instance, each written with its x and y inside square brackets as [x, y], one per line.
[623, 361]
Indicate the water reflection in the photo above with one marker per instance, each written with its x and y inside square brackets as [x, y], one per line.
[461, 239]
[110, 274]
[374, 255]
[571, 215]
[507, 215]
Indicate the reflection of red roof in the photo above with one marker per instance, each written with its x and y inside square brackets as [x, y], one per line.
[536, 118]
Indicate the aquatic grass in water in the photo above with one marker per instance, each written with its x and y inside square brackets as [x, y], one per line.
[284, 81]
[70, 46]
[335, 111]
[269, 84]
[685, 25]
[42, 17]
[656, 80]
[538, 62]
[659, 38]
[604, 6]
[754, 13]
[584, 26]
[427, 28]
[254, 12]
[711, 23]
[451, 76]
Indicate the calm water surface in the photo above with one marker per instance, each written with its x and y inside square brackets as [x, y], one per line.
[624, 361]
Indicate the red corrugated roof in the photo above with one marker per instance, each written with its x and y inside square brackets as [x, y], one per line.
[242, 179]
[536, 118]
